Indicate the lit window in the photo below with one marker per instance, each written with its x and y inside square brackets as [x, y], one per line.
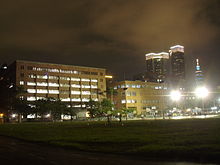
[31, 83]
[85, 99]
[21, 82]
[76, 99]
[84, 79]
[75, 79]
[42, 91]
[94, 80]
[64, 78]
[31, 98]
[53, 84]
[123, 101]
[85, 86]
[41, 98]
[31, 90]
[75, 92]
[42, 76]
[54, 91]
[64, 85]
[32, 76]
[65, 99]
[94, 86]
[86, 92]
[53, 77]
[75, 85]
[41, 84]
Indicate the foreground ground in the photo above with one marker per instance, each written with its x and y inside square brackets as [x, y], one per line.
[180, 140]
[17, 152]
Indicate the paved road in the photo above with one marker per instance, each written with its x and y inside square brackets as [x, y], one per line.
[14, 152]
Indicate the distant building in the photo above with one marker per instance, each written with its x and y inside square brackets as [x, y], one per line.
[143, 97]
[74, 85]
[198, 74]
[177, 63]
[157, 66]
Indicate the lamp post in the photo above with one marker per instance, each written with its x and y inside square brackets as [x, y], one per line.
[202, 92]
[175, 96]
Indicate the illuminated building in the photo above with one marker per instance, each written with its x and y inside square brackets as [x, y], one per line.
[141, 96]
[75, 85]
[177, 65]
[198, 74]
[157, 66]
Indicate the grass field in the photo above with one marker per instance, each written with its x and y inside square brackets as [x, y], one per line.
[196, 139]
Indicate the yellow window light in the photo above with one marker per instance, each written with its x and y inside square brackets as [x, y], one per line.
[108, 76]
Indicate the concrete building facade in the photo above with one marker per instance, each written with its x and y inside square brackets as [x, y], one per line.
[75, 85]
[141, 96]
[157, 66]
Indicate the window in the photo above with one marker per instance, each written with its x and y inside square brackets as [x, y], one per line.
[65, 99]
[94, 86]
[101, 74]
[75, 79]
[22, 67]
[101, 80]
[64, 85]
[53, 77]
[85, 86]
[31, 90]
[44, 84]
[94, 80]
[31, 98]
[64, 78]
[29, 68]
[21, 82]
[64, 92]
[42, 76]
[31, 83]
[76, 99]
[22, 75]
[75, 92]
[85, 99]
[75, 85]
[86, 92]
[32, 76]
[85, 72]
[94, 73]
[42, 91]
[84, 79]
[54, 91]
[53, 84]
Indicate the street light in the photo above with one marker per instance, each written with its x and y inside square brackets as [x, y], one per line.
[202, 92]
[175, 95]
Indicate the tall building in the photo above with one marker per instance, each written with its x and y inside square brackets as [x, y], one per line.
[141, 96]
[198, 74]
[75, 85]
[157, 66]
[177, 64]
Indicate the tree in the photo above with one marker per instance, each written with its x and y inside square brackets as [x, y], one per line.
[106, 108]
[93, 108]
[21, 107]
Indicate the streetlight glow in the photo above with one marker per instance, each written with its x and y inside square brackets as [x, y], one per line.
[175, 95]
[202, 92]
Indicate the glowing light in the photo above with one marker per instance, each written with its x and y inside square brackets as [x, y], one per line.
[1, 114]
[157, 55]
[108, 76]
[175, 95]
[202, 92]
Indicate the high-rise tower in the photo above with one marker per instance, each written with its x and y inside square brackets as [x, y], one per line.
[177, 65]
[198, 74]
[157, 66]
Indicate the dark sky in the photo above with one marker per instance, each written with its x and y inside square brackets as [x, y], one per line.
[115, 34]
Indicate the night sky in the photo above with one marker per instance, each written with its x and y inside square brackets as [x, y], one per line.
[114, 34]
